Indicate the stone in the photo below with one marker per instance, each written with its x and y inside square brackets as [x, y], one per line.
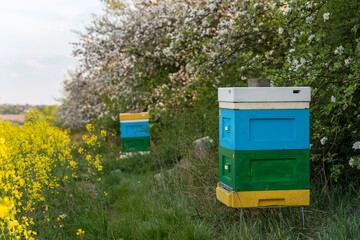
[202, 145]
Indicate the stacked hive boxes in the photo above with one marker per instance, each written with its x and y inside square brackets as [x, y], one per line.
[134, 130]
[264, 146]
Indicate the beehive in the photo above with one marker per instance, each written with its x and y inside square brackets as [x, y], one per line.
[264, 146]
[134, 131]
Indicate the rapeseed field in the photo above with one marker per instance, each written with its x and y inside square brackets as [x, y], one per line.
[35, 161]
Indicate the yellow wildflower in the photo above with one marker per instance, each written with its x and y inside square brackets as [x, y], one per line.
[89, 127]
[5, 207]
[103, 133]
[80, 150]
[80, 232]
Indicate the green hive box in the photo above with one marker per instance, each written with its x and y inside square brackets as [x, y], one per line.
[135, 144]
[264, 170]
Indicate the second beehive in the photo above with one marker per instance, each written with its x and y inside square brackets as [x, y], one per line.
[134, 131]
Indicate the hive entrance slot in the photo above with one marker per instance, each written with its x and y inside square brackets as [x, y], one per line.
[271, 202]
[296, 91]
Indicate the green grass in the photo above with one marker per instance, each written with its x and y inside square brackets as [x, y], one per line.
[142, 208]
[140, 212]
[182, 204]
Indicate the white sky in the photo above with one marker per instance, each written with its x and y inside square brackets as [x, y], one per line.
[35, 49]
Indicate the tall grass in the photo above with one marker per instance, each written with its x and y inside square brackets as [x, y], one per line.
[182, 205]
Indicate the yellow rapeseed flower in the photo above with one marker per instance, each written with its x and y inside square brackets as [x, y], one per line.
[89, 127]
[5, 207]
[35, 149]
[80, 232]
[81, 150]
[31, 158]
[103, 133]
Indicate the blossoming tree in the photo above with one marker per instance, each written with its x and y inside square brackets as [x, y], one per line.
[168, 55]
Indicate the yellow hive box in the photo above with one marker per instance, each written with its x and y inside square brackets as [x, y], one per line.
[253, 199]
[133, 116]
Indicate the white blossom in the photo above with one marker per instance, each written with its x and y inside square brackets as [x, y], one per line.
[296, 64]
[333, 99]
[201, 12]
[339, 50]
[212, 7]
[323, 140]
[187, 20]
[242, 13]
[205, 23]
[224, 32]
[303, 61]
[326, 16]
[292, 50]
[188, 68]
[281, 30]
[351, 162]
[347, 61]
[167, 52]
[311, 37]
[309, 19]
[287, 10]
[356, 145]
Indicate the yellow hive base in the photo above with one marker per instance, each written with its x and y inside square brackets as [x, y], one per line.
[252, 199]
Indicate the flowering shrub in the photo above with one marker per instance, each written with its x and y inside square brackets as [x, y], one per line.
[35, 160]
[321, 50]
[163, 55]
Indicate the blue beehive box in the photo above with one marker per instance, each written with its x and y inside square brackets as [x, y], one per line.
[134, 129]
[270, 129]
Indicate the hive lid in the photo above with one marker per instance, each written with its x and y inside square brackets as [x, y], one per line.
[264, 94]
[133, 116]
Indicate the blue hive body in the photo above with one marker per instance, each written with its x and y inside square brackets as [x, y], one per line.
[134, 129]
[264, 129]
